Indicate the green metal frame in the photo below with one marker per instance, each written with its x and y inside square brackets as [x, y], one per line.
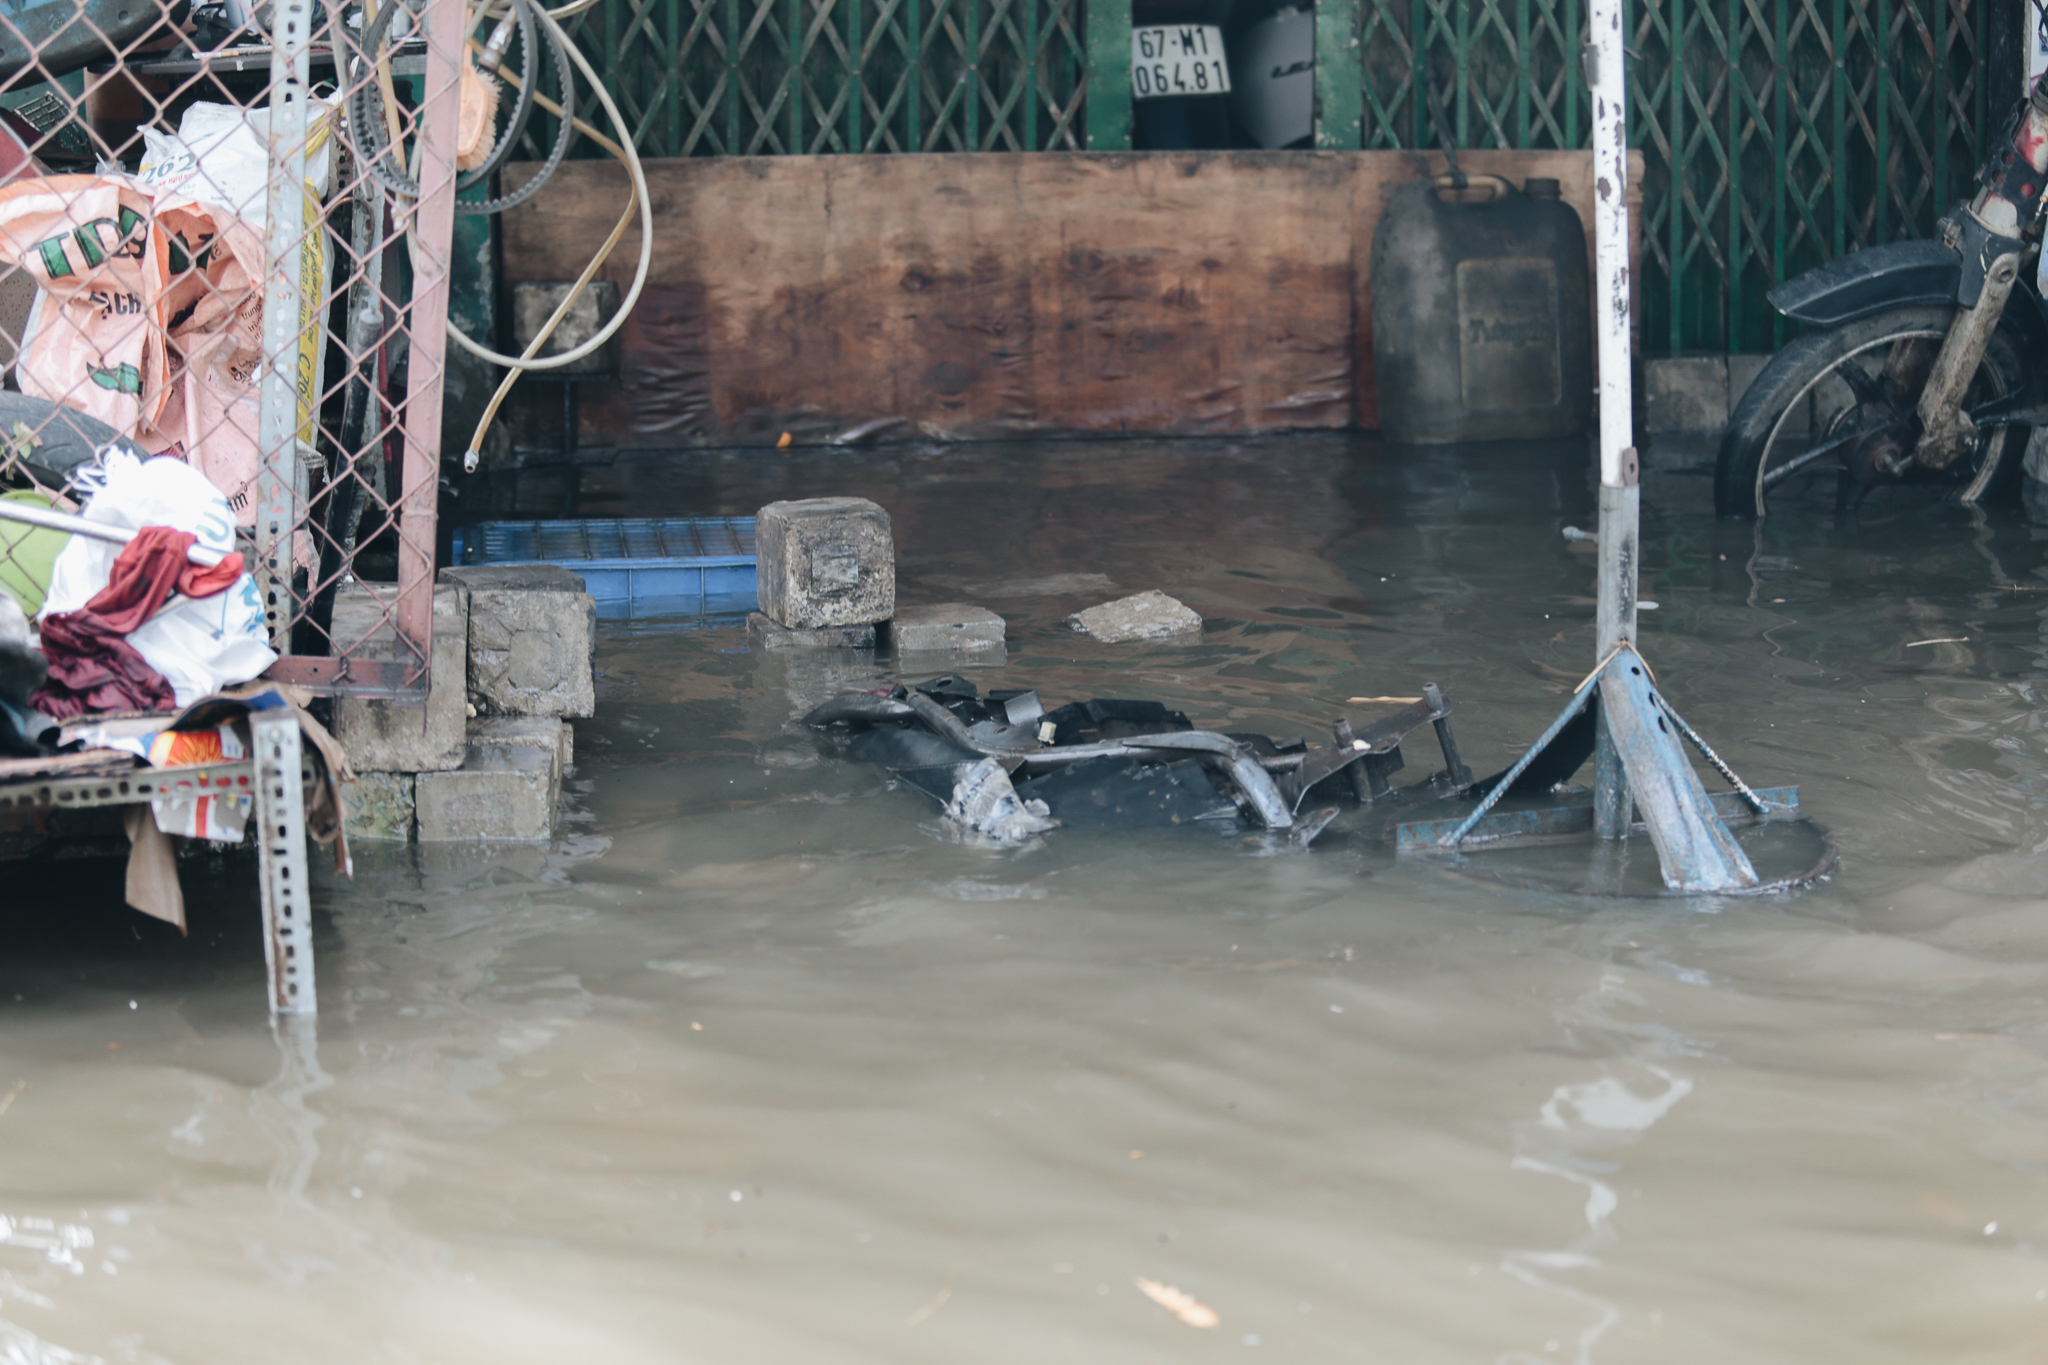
[786, 77]
[1775, 133]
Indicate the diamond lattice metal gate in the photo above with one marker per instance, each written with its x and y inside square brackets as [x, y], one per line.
[1776, 133]
[768, 77]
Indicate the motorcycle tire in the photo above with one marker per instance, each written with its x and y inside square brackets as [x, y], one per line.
[1759, 471]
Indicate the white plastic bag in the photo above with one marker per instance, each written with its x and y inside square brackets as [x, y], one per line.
[200, 645]
[221, 155]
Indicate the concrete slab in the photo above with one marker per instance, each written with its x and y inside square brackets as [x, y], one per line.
[1143, 616]
[945, 627]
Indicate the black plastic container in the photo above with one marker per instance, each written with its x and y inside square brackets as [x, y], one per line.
[1482, 324]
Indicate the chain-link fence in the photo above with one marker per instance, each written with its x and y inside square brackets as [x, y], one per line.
[224, 238]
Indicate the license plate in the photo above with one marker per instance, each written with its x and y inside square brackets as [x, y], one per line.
[1178, 59]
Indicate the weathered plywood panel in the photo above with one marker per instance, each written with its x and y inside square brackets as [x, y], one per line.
[984, 295]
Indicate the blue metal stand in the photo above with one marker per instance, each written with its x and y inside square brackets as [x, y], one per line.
[1689, 827]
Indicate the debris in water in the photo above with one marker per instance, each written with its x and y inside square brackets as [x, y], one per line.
[1944, 640]
[1180, 1303]
[1150, 615]
[1381, 701]
[1005, 768]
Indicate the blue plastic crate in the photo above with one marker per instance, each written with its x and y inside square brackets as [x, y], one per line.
[632, 566]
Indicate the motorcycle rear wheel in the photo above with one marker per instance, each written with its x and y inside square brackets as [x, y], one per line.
[1775, 457]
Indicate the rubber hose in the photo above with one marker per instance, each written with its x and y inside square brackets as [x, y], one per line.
[365, 128]
[627, 153]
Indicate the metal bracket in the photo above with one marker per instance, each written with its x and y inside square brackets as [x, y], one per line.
[1695, 851]
[280, 817]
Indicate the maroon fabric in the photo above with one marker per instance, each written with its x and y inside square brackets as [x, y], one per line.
[93, 668]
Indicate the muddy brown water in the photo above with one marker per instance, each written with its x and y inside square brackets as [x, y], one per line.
[755, 1064]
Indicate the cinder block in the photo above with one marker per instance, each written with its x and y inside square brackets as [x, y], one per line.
[532, 629]
[404, 737]
[380, 806]
[824, 562]
[1142, 616]
[774, 635]
[528, 732]
[945, 627]
[1686, 393]
[501, 792]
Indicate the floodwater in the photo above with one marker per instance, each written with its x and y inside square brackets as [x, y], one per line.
[757, 1064]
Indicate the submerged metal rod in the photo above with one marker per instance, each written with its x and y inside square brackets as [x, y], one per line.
[1756, 803]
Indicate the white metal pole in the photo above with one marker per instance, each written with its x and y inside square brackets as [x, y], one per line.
[1619, 511]
[282, 478]
[1610, 240]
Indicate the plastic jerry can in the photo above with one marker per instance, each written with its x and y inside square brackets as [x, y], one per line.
[1482, 325]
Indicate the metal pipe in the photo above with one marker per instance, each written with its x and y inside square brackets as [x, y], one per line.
[92, 530]
[1619, 511]
[1611, 313]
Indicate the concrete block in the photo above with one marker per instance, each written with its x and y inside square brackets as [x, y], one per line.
[1685, 393]
[1145, 616]
[774, 635]
[501, 792]
[532, 629]
[824, 562]
[528, 732]
[380, 806]
[404, 737]
[947, 627]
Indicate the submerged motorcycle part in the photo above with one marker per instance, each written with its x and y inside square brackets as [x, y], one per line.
[1864, 282]
[1115, 763]
[2015, 171]
[1946, 431]
[1801, 415]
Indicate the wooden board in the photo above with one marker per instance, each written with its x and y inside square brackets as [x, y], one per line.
[854, 298]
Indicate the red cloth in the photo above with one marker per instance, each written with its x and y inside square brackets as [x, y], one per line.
[93, 668]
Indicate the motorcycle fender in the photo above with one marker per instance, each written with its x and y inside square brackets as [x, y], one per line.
[1862, 282]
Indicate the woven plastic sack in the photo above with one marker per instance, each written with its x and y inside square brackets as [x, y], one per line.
[96, 341]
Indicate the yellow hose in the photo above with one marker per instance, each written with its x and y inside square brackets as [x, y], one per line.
[637, 202]
[483, 426]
